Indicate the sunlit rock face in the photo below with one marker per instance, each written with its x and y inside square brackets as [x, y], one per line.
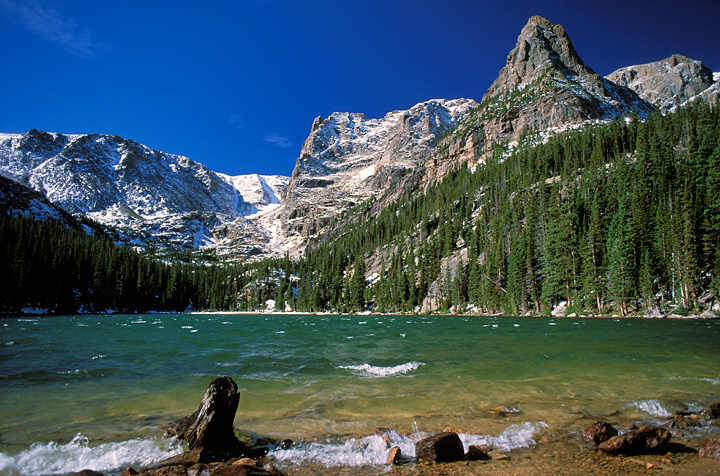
[347, 158]
[543, 85]
[667, 83]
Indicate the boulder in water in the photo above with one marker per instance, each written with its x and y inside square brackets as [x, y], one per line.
[644, 440]
[711, 412]
[599, 432]
[710, 449]
[394, 457]
[440, 448]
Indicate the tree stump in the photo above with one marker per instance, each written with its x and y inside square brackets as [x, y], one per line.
[209, 431]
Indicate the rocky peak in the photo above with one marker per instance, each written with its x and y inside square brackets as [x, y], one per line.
[541, 46]
[348, 157]
[544, 85]
[666, 83]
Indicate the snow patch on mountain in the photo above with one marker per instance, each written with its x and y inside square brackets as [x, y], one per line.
[150, 197]
[261, 191]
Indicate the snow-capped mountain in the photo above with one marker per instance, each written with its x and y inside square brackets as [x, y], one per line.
[164, 200]
[150, 195]
[347, 158]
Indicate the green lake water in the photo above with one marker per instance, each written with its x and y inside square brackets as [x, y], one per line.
[93, 391]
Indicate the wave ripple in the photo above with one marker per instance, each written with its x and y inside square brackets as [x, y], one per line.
[383, 371]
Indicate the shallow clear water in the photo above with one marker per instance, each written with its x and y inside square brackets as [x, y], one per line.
[114, 380]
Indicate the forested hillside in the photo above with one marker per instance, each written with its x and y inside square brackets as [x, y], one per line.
[621, 217]
[51, 267]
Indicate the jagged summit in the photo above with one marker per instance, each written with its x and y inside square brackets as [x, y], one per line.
[541, 47]
[545, 74]
[666, 83]
[544, 85]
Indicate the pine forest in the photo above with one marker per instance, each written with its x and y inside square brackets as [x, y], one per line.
[617, 218]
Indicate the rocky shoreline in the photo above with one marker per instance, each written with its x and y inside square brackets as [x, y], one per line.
[675, 447]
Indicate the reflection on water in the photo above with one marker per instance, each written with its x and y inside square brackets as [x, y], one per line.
[114, 379]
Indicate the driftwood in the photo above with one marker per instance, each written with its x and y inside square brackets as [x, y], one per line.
[209, 431]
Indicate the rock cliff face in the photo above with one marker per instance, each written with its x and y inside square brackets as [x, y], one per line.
[666, 83]
[544, 84]
[347, 158]
[151, 196]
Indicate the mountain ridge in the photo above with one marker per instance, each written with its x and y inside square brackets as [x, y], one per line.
[346, 159]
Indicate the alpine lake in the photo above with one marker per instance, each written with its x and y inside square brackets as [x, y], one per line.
[92, 391]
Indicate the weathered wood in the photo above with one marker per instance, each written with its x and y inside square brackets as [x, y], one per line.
[209, 430]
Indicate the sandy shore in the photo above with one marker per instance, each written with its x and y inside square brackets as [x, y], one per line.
[558, 458]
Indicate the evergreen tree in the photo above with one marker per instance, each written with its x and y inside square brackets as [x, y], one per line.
[357, 285]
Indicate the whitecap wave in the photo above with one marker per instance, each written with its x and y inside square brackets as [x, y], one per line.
[513, 437]
[369, 451]
[653, 407]
[384, 371]
[714, 381]
[55, 458]
[373, 450]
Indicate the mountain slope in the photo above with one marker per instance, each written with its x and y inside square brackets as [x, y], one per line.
[153, 197]
[18, 200]
[666, 83]
[544, 84]
[348, 158]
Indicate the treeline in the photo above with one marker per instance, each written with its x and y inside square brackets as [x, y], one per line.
[48, 266]
[622, 217]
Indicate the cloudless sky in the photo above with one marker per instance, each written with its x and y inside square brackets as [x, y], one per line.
[235, 85]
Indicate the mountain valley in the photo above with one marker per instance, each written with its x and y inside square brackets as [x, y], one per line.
[351, 169]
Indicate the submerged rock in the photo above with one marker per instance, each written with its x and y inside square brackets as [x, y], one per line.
[711, 412]
[599, 432]
[683, 422]
[710, 449]
[503, 411]
[644, 440]
[394, 457]
[440, 448]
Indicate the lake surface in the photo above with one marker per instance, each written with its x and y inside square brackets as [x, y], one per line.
[93, 391]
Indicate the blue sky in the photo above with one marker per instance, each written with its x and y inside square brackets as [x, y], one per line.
[236, 85]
